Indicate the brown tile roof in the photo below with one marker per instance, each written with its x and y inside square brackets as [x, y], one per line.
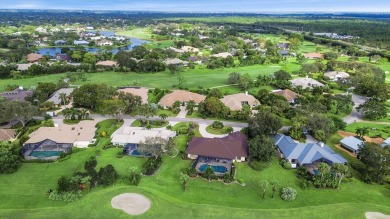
[83, 131]
[7, 134]
[235, 101]
[33, 57]
[313, 55]
[182, 96]
[107, 63]
[232, 146]
[137, 91]
[288, 94]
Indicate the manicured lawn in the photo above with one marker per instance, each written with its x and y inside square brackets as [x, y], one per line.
[374, 129]
[192, 78]
[167, 112]
[70, 121]
[141, 33]
[215, 131]
[202, 199]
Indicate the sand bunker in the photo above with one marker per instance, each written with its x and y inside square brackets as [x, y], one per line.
[131, 203]
[376, 215]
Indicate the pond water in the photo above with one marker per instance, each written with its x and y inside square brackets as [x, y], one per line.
[52, 51]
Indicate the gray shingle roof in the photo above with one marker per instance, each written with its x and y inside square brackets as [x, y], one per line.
[306, 153]
[351, 142]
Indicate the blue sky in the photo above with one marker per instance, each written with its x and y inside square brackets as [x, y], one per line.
[206, 5]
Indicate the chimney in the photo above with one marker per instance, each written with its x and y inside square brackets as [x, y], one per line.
[322, 144]
[246, 93]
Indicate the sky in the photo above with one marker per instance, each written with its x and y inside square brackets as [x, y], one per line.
[206, 5]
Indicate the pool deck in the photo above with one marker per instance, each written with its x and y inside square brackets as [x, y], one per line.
[214, 162]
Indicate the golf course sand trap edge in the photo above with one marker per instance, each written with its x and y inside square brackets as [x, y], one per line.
[376, 215]
[131, 203]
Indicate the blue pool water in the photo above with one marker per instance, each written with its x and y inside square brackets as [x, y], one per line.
[45, 153]
[315, 172]
[219, 169]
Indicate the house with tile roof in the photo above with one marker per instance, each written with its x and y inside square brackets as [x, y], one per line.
[56, 96]
[78, 135]
[107, 63]
[137, 91]
[17, 95]
[34, 57]
[233, 147]
[306, 83]
[336, 75]
[182, 96]
[7, 134]
[313, 55]
[235, 102]
[289, 95]
[306, 154]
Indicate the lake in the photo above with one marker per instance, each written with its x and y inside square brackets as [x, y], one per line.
[52, 51]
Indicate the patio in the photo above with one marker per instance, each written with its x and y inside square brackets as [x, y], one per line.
[212, 161]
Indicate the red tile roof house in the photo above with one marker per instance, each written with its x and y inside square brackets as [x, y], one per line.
[218, 153]
[33, 57]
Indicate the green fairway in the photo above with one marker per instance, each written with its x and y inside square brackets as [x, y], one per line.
[193, 78]
[141, 33]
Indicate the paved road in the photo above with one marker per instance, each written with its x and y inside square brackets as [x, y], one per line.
[355, 116]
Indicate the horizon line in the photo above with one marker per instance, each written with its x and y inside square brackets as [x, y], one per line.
[194, 12]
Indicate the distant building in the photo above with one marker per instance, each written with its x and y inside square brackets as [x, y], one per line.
[34, 57]
[105, 43]
[289, 95]
[175, 61]
[60, 42]
[235, 102]
[313, 55]
[306, 83]
[137, 91]
[336, 75]
[80, 42]
[17, 95]
[107, 63]
[182, 96]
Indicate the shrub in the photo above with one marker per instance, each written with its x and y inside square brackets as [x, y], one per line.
[169, 127]
[107, 146]
[287, 165]
[183, 130]
[135, 177]
[151, 165]
[288, 194]
[227, 178]
[107, 175]
[217, 125]
[119, 154]
[192, 172]
[66, 196]
[103, 134]
[209, 173]
[258, 166]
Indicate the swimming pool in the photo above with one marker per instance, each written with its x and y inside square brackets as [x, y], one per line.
[42, 154]
[218, 169]
[315, 172]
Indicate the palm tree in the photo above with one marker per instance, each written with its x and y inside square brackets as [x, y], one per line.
[62, 97]
[323, 168]
[341, 170]
[190, 106]
[67, 113]
[184, 179]
[361, 132]
[274, 186]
